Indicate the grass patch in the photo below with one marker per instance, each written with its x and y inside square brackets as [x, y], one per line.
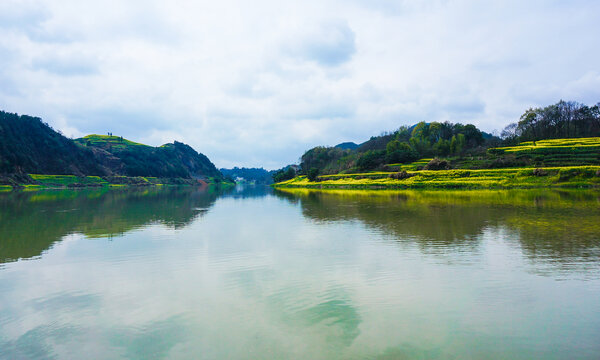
[106, 141]
[68, 180]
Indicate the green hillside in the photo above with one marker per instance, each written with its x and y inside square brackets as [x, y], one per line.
[32, 153]
[28, 145]
[121, 156]
[543, 163]
[465, 146]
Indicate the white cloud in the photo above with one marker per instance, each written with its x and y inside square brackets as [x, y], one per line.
[257, 83]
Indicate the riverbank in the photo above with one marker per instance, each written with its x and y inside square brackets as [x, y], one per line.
[511, 178]
[39, 181]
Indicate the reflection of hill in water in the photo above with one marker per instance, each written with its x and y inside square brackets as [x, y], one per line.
[30, 222]
[249, 191]
[560, 227]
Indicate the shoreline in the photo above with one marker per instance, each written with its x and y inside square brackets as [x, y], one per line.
[73, 182]
[458, 179]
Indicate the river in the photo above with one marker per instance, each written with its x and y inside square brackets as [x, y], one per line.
[255, 273]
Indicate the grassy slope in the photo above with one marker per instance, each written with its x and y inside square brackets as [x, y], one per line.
[584, 153]
[105, 141]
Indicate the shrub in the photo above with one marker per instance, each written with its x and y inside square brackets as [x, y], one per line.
[437, 164]
[312, 174]
[401, 175]
[566, 174]
[495, 151]
[539, 172]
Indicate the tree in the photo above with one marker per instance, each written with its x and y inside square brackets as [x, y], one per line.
[399, 152]
[421, 130]
[435, 132]
[312, 174]
[473, 136]
[441, 147]
[457, 144]
[371, 159]
[284, 174]
[564, 119]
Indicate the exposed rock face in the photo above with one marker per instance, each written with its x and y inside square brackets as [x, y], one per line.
[111, 164]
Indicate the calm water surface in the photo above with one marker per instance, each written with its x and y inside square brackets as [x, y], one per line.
[259, 274]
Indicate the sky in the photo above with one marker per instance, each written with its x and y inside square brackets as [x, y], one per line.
[257, 83]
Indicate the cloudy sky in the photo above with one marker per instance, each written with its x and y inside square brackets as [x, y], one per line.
[256, 83]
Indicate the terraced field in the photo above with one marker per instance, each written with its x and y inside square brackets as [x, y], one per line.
[416, 165]
[68, 180]
[568, 177]
[555, 152]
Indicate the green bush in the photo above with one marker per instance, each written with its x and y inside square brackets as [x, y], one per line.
[312, 174]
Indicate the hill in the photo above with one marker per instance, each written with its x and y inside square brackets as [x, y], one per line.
[563, 163]
[404, 145]
[558, 145]
[30, 146]
[465, 146]
[119, 156]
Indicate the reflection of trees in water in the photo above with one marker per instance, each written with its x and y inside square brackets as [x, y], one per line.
[552, 226]
[30, 222]
[431, 225]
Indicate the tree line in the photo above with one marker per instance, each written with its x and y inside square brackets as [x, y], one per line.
[565, 119]
[404, 145]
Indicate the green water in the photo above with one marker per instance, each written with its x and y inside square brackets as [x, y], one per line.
[260, 274]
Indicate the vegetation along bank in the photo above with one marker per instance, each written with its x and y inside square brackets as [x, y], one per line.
[554, 146]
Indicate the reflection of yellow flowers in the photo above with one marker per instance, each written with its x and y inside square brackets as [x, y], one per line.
[567, 199]
[64, 194]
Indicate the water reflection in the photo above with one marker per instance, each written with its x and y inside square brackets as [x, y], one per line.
[557, 227]
[30, 222]
[253, 273]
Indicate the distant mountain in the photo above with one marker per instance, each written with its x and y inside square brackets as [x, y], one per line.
[28, 145]
[250, 175]
[347, 146]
